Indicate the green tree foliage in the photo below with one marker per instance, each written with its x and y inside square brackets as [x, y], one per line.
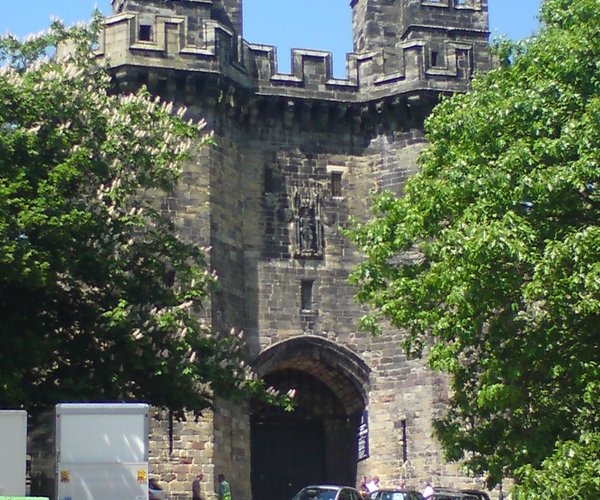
[573, 471]
[99, 297]
[491, 259]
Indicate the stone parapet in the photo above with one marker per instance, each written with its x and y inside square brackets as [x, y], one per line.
[166, 42]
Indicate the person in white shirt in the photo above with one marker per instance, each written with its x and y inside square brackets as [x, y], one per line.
[373, 485]
[427, 491]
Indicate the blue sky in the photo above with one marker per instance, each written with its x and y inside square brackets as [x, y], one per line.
[311, 24]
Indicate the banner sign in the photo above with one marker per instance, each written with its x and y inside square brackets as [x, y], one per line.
[363, 436]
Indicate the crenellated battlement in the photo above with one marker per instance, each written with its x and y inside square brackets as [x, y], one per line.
[433, 52]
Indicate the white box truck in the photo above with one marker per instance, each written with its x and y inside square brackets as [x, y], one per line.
[13, 452]
[91, 451]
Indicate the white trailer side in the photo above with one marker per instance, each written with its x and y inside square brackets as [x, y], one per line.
[13, 452]
[98, 450]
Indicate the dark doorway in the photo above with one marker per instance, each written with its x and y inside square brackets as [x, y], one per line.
[286, 456]
[314, 444]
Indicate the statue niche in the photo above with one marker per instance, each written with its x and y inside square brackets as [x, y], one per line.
[308, 222]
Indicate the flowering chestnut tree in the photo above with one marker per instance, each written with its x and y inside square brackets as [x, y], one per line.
[99, 297]
[504, 291]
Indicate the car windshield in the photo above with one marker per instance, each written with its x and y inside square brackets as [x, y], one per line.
[393, 495]
[316, 494]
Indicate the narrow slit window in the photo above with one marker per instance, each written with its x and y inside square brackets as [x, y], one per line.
[434, 58]
[336, 184]
[145, 33]
[307, 295]
[404, 444]
[269, 181]
[161, 86]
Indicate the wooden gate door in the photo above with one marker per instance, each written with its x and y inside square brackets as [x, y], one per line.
[286, 455]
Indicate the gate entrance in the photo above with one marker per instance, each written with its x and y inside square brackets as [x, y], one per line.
[286, 455]
[317, 442]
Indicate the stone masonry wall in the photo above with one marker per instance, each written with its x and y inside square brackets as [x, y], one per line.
[251, 242]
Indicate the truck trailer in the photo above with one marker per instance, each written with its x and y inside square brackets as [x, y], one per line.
[13, 452]
[91, 451]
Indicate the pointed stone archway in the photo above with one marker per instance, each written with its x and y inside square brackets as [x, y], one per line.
[317, 442]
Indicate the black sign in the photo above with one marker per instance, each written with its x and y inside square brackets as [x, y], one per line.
[363, 436]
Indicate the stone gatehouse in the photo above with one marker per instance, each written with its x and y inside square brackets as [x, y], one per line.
[297, 156]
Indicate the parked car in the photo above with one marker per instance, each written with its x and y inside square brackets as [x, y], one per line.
[327, 492]
[395, 494]
[456, 494]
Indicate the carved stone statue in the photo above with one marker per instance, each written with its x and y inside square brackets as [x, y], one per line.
[306, 230]
[308, 220]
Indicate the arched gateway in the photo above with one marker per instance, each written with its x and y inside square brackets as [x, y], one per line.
[317, 442]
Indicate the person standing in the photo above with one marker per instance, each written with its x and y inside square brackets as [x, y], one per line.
[224, 488]
[427, 491]
[373, 485]
[196, 488]
[363, 488]
[155, 491]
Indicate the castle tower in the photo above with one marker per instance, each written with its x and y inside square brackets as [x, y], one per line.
[376, 24]
[390, 25]
[296, 157]
[228, 12]
[382, 24]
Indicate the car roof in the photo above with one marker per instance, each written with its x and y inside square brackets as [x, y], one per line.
[454, 493]
[399, 490]
[470, 491]
[477, 493]
[328, 486]
[390, 492]
[335, 487]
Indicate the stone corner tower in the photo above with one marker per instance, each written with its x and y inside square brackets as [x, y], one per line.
[447, 29]
[297, 156]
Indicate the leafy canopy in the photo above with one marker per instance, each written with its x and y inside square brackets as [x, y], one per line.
[99, 297]
[491, 259]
